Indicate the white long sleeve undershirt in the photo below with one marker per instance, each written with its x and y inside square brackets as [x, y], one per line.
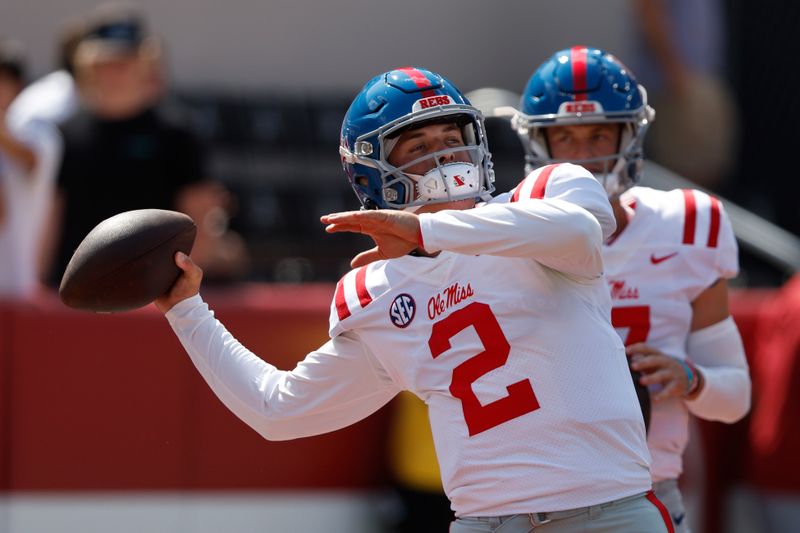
[333, 387]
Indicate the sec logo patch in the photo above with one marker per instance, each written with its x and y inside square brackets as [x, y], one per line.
[402, 310]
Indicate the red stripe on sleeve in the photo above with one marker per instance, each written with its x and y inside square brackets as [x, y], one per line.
[690, 217]
[361, 287]
[541, 182]
[713, 231]
[341, 304]
[419, 80]
[578, 57]
[661, 509]
[420, 239]
[515, 195]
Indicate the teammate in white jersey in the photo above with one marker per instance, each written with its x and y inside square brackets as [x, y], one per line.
[496, 316]
[666, 264]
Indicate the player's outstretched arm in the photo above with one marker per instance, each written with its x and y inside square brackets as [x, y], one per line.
[334, 386]
[186, 286]
[396, 233]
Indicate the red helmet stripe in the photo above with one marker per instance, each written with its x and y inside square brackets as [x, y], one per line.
[578, 59]
[713, 231]
[419, 79]
[690, 216]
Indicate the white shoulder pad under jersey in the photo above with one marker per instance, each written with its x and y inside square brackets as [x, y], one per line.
[569, 182]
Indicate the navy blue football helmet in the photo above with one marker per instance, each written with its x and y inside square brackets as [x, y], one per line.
[582, 85]
[388, 105]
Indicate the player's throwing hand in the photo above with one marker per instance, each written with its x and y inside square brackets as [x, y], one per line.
[186, 286]
[396, 233]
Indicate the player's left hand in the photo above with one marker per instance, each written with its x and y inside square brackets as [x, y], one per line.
[658, 368]
[396, 233]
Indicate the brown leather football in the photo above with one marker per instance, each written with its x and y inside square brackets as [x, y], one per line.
[127, 261]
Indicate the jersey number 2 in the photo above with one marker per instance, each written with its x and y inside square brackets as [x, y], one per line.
[520, 399]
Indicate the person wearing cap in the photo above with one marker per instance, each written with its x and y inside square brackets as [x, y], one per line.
[30, 139]
[29, 152]
[122, 153]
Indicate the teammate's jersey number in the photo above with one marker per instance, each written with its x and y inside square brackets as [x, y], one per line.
[520, 399]
[636, 319]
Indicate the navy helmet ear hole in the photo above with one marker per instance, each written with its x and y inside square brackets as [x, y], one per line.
[369, 203]
[396, 193]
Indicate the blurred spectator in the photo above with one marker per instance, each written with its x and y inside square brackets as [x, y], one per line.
[12, 71]
[122, 153]
[11, 82]
[774, 465]
[53, 98]
[681, 57]
[33, 117]
[29, 151]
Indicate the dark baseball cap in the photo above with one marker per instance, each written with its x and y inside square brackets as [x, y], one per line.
[113, 30]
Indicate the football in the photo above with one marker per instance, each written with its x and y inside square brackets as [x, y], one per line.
[127, 261]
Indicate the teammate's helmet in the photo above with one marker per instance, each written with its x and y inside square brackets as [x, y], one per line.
[582, 85]
[388, 105]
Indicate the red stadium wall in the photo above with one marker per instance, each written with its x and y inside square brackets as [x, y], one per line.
[111, 402]
[104, 402]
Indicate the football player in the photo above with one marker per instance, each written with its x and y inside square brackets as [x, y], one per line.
[497, 316]
[667, 262]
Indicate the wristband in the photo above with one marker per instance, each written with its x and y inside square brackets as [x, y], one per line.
[691, 376]
[698, 379]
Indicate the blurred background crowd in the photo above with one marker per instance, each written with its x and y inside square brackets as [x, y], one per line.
[253, 136]
[231, 113]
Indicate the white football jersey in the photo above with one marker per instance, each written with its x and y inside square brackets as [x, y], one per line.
[530, 402]
[505, 335]
[676, 245]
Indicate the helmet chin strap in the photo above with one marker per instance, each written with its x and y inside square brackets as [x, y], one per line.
[613, 181]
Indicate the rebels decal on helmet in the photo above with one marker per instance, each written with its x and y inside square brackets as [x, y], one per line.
[580, 107]
[431, 101]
